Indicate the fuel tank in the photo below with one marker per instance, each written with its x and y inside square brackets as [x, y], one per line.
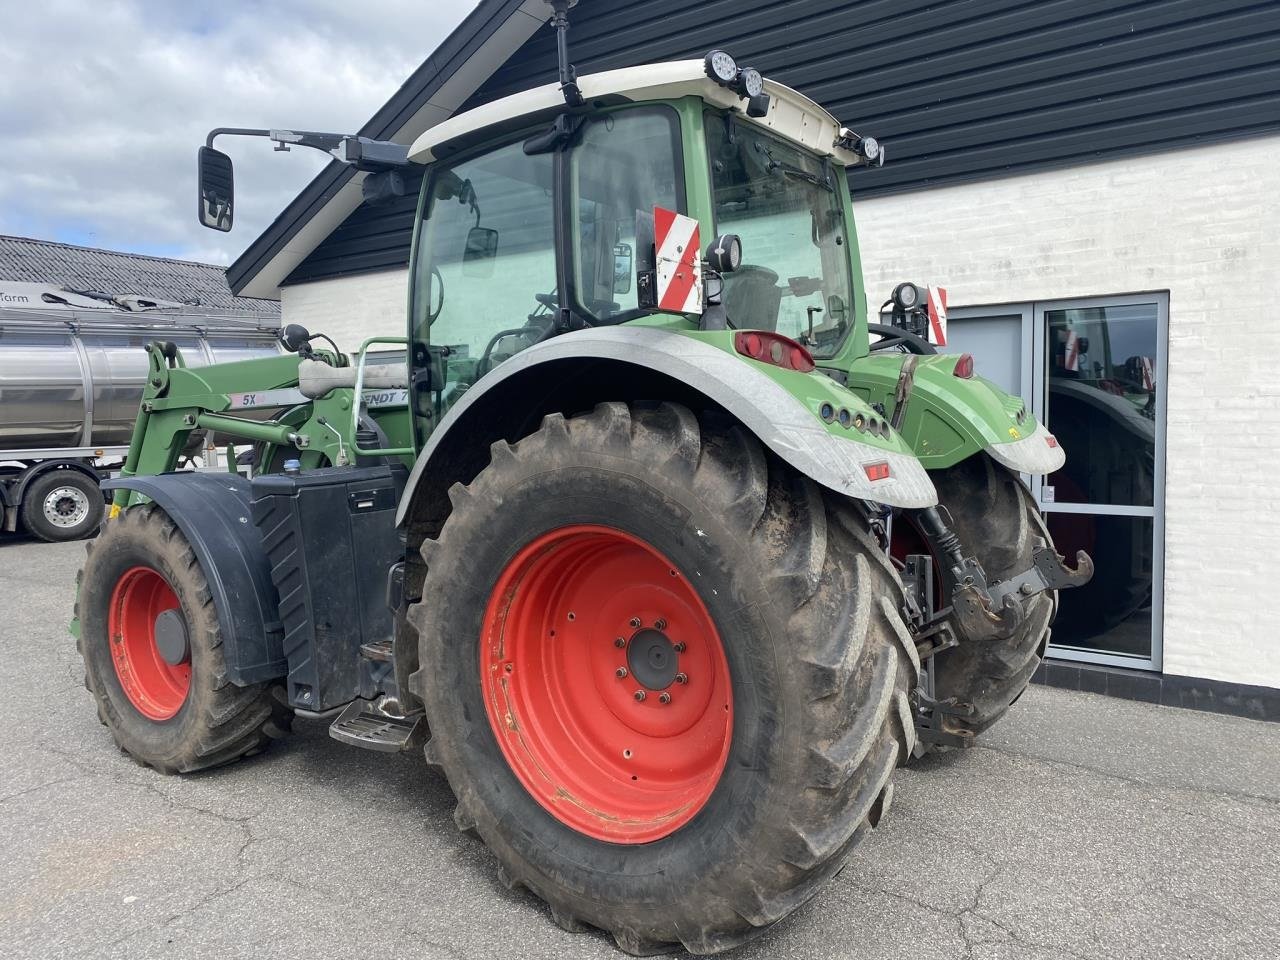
[72, 378]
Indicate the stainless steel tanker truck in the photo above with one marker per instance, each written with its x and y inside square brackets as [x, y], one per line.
[71, 378]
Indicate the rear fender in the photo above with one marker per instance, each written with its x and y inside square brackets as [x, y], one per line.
[950, 418]
[573, 372]
[212, 511]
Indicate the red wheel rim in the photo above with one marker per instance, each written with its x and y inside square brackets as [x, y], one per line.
[597, 757]
[156, 688]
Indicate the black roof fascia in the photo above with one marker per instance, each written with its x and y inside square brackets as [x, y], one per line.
[422, 84]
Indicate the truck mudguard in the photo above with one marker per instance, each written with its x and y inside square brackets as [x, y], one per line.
[779, 419]
[212, 511]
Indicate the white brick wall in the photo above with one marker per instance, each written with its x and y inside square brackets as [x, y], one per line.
[349, 309]
[1203, 224]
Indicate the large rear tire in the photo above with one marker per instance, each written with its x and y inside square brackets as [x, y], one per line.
[997, 521]
[153, 653]
[681, 539]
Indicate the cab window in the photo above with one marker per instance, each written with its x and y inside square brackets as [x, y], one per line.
[485, 281]
[625, 162]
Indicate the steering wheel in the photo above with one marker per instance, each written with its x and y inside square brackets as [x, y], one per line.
[895, 338]
[535, 330]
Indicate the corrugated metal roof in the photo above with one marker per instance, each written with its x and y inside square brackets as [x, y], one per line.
[202, 285]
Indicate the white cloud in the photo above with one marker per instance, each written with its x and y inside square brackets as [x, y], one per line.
[104, 102]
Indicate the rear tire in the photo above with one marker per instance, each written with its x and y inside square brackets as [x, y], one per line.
[62, 505]
[176, 718]
[997, 521]
[819, 665]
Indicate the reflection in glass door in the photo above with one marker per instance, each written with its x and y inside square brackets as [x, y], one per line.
[1100, 390]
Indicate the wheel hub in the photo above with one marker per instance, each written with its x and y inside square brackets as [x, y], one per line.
[652, 659]
[608, 734]
[150, 647]
[171, 638]
[66, 507]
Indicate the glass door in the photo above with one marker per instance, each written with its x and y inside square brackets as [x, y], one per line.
[1099, 386]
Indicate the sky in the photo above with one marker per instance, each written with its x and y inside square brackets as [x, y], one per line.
[103, 104]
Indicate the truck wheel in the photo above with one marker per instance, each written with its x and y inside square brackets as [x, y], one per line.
[153, 655]
[62, 505]
[666, 676]
[997, 520]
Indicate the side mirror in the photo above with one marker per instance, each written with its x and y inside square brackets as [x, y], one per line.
[480, 252]
[216, 200]
[622, 261]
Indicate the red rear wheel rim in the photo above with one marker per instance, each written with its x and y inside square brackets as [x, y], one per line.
[597, 757]
[156, 689]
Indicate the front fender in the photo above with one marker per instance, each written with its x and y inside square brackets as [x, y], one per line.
[212, 511]
[779, 407]
[950, 418]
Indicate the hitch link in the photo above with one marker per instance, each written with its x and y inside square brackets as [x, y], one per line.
[994, 610]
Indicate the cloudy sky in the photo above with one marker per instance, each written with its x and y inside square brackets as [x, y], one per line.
[103, 104]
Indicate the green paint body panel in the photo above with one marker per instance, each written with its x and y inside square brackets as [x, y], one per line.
[948, 418]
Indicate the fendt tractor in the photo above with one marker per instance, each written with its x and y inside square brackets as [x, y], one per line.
[634, 533]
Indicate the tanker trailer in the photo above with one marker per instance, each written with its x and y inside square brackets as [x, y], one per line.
[71, 379]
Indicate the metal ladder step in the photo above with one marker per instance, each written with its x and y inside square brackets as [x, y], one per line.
[362, 724]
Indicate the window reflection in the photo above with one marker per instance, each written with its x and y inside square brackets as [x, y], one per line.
[1102, 403]
[1112, 612]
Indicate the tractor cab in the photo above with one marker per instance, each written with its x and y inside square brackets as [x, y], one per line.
[538, 218]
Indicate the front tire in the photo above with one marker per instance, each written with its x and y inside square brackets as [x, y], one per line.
[801, 606]
[153, 653]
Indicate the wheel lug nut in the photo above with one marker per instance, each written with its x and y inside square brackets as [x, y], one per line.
[619, 642]
[620, 673]
[678, 647]
[640, 695]
[664, 697]
[660, 624]
[635, 621]
[682, 678]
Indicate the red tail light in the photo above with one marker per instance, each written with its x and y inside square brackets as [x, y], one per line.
[964, 366]
[773, 348]
[876, 471]
[1051, 440]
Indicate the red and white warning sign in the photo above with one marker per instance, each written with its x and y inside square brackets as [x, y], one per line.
[938, 316]
[1071, 352]
[679, 261]
[1148, 374]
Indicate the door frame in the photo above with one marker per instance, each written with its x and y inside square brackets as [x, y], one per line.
[1037, 356]
[1034, 380]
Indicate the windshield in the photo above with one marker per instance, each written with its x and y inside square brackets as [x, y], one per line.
[785, 205]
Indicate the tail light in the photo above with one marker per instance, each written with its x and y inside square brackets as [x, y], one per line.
[876, 471]
[964, 366]
[773, 348]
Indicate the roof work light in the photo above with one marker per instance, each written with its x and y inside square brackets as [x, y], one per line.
[746, 82]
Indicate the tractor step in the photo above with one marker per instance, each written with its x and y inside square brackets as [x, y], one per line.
[362, 724]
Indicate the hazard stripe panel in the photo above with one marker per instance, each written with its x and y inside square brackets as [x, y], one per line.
[679, 262]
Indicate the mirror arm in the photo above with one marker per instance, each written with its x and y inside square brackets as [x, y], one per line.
[362, 153]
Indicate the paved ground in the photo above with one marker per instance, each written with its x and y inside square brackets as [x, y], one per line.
[1083, 827]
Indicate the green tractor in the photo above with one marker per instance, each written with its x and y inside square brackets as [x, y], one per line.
[638, 539]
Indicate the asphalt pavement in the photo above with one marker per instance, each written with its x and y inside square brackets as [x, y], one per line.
[1081, 827]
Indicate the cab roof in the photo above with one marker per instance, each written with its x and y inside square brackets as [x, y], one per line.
[791, 114]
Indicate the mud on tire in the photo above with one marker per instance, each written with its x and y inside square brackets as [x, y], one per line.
[218, 722]
[820, 662]
[995, 518]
